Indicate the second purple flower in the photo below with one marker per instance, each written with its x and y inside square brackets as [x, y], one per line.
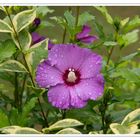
[84, 36]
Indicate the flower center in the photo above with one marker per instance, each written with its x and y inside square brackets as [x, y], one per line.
[71, 77]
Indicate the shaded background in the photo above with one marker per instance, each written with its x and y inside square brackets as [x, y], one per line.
[56, 32]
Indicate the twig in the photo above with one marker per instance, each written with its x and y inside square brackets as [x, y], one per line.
[31, 77]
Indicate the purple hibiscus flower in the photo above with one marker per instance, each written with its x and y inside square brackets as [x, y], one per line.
[84, 36]
[36, 38]
[72, 75]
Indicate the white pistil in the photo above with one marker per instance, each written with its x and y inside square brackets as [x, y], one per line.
[71, 76]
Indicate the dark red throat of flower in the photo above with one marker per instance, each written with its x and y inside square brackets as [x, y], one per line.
[71, 77]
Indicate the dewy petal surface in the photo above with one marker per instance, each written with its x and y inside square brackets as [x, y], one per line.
[85, 31]
[90, 88]
[47, 75]
[67, 56]
[59, 96]
[91, 66]
[75, 100]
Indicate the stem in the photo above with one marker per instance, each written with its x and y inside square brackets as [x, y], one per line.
[111, 51]
[105, 101]
[16, 94]
[63, 114]
[64, 36]
[109, 56]
[31, 77]
[22, 90]
[77, 15]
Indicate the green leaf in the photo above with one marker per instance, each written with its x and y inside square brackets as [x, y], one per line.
[3, 119]
[70, 19]
[84, 18]
[18, 130]
[127, 74]
[36, 53]
[27, 130]
[132, 24]
[124, 21]
[63, 124]
[129, 57]
[26, 110]
[4, 27]
[132, 116]
[69, 131]
[105, 13]
[1, 8]
[122, 129]
[24, 39]
[42, 11]
[23, 19]
[12, 66]
[7, 49]
[99, 30]
[110, 43]
[129, 38]
[9, 129]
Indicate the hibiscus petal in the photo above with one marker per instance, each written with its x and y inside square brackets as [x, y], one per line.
[47, 75]
[85, 31]
[90, 88]
[67, 56]
[91, 66]
[59, 96]
[89, 39]
[36, 38]
[75, 101]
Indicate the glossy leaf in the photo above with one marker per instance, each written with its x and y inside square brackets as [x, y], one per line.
[3, 119]
[124, 21]
[68, 131]
[65, 123]
[132, 24]
[18, 130]
[122, 129]
[7, 49]
[4, 27]
[84, 18]
[26, 110]
[70, 19]
[25, 40]
[23, 19]
[132, 116]
[42, 11]
[110, 43]
[12, 66]
[36, 53]
[99, 29]
[129, 38]
[105, 13]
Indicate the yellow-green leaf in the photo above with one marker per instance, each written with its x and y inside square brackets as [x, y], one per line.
[12, 66]
[18, 130]
[123, 129]
[131, 116]
[66, 123]
[4, 27]
[23, 19]
[68, 131]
